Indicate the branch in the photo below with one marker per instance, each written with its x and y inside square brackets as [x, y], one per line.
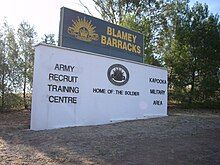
[85, 7]
[105, 11]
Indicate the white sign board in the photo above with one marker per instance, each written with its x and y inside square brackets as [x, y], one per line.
[76, 88]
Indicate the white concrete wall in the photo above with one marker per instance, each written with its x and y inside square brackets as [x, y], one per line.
[92, 108]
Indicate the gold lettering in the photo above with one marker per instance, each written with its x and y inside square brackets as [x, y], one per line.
[134, 38]
[109, 30]
[114, 33]
[119, 44]
[134, 48]
[119, 34]
[109, 42]
[124, 35]
[124, 46]
[129, 47]
[138, 49]
[103, 39]
[114, 42]
[129, 37]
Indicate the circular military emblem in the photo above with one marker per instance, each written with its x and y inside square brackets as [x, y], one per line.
[118, 74]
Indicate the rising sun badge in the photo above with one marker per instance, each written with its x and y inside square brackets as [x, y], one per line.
[83, 29]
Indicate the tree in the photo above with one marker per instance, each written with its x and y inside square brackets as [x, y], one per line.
[194, 56]
[113, 10]
[3, 69]
[184, 39]
[155, 19]
[208, 58]
[13, 59]
[26, 39]
[9, 68]
[49, 39]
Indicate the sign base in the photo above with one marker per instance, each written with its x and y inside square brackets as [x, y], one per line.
[77, 88]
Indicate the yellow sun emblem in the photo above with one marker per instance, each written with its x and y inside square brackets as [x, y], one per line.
[83, 30]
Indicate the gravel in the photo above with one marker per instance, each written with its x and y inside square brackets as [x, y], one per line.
[184, 137]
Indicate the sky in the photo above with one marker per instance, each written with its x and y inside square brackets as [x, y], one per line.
[44, 15]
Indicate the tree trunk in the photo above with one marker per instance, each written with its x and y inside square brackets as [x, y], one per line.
[192, 88]
[119, 13]
[24, 87]
[3, 91]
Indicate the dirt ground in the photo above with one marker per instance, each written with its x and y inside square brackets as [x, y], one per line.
[184, 137]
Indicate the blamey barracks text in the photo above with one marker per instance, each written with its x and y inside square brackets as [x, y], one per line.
[80, 31]
[115, 38]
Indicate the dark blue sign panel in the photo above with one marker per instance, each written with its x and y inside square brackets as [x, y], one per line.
[80, 31]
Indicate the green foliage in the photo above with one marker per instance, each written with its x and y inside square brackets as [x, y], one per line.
[154, 19]
[16, 65]
[49, 39]
[14, 101]
[194, 57]
[185, 40]
[7, 49]
[26, 39]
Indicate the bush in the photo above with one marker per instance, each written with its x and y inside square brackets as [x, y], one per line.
[12, 101]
